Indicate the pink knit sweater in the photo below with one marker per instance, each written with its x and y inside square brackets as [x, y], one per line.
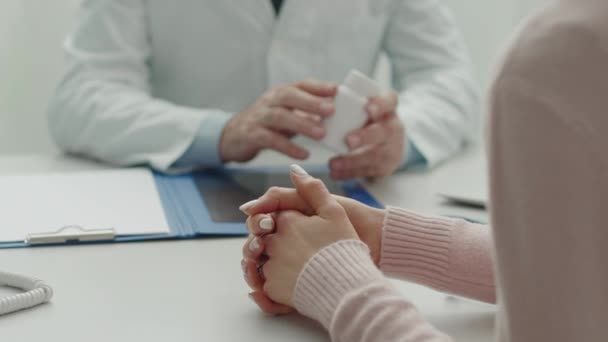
[549, 193]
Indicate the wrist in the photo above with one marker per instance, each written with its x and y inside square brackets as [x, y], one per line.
[325, 281]
[224, 145]
[372, 234]
[204, 149]
[368, 224]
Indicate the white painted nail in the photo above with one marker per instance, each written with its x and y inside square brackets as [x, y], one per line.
[267, 223]
[298, 170]
[247, 205]
[254, 245]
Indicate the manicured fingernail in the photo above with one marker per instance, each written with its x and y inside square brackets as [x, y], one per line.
[298, 170]
[254, 245]
[247, 206]
[267, 223]
[354, 141]
[327, 107]
[373, 109]
[318, 132]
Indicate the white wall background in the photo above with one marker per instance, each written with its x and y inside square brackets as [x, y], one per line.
[31, 32]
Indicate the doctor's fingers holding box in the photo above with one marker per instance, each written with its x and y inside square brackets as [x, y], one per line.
[275, 117]
[373, 149]
[377, 149]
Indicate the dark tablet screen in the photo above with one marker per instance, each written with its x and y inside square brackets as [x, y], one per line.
[224, 191]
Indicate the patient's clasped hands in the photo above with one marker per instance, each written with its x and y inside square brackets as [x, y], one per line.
[289, 226]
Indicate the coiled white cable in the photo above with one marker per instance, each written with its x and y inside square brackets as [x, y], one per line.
[37, 292]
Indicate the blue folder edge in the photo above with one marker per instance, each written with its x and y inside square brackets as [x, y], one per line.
[182, 204]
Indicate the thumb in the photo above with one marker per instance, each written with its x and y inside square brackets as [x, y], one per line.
[315, 193]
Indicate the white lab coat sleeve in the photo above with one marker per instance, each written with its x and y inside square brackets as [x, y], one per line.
[103, 106]
[439, 100]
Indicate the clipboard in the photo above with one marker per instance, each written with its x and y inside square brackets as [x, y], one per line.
[196, 205]
[70, 234]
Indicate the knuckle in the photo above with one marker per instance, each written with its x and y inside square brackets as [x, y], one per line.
[268, 244]
[282, 94]
[267, 97]
[260, 137]
[265, 119]
[282, 221]
[266, 269]
[375, 133]
[274, 191]
[365, 136]
[302, 121]
[255, 135]
[295, 150]
[278, 111]
[283, 146]
[249, 224]
[334, 209]
[275, 117]
[245, 249]
[291, 215]
[285, 221]
[371, 171]
[305, 82]
[306, 126]
[315, 184]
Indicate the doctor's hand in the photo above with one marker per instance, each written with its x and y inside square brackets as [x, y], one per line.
[295, 237]
[377, 149]
[275, 117]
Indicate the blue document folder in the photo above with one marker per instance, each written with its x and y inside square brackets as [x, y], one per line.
[205, 203]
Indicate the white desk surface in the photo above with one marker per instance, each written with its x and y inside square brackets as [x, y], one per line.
[193, 290]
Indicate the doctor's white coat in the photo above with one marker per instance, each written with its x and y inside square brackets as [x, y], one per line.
[143, 76]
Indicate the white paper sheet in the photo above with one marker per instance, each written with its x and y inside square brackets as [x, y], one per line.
[126, 200]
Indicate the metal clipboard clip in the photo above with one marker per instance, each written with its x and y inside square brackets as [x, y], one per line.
[71, 234]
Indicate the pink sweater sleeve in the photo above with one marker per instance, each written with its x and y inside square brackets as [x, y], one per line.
[341, 287]
[450, 255]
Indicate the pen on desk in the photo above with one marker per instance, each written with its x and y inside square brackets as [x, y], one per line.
[466, 219]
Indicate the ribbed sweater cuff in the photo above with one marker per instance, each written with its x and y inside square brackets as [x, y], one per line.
[416, 247]
[330, 275]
